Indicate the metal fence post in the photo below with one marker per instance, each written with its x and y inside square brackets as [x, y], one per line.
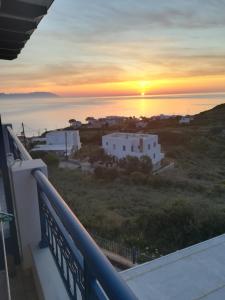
[43, 242]
[88, 278]
[134, 255]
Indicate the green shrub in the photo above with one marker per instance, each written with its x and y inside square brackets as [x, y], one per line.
[106, 173]
[49, 158]
[178, 225]
[38, 154]
[218, 190]
[132, 164]
[158, 181]
[138, 177]
[129, 163]
[94, 153]
[146, 164]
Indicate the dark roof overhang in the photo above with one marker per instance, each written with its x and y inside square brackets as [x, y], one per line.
[18, 20]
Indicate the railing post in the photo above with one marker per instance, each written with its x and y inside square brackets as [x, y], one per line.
[134, 255]
[43, 242]
[88, 278]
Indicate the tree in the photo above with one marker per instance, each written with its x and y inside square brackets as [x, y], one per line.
[146, 164]
[50, 159]
[89, 119]
[106, 173]
[133, 164]
[71, 121]
[145, 119]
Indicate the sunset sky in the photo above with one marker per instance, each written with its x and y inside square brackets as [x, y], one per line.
[123, 47]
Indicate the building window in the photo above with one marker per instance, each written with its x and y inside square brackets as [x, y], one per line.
[107, 143]
[149, 147]
[154, 155]
[132, 148]
[114, 147]
[124, 148]
[154, 144]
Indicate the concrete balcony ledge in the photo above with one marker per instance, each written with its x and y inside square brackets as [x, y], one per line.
[48, 281]
[196, 272]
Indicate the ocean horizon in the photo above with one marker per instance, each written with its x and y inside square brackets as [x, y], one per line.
[39, 114]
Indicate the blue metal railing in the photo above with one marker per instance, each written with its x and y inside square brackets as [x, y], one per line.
[86, 272]
[17, 147]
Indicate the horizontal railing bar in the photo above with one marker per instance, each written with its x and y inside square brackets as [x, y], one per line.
[21, 148]
[113, 285]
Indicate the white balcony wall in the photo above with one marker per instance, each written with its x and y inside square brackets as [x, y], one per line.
[26, 206]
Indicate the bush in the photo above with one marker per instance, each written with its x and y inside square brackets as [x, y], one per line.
[38, 154]
[218, 190]
[138, 178]
[93, 153]
[106, 173]
[129, 163]
[178, 225]
[158, 181]
[132, 164]
[49, 158]
[146, 165]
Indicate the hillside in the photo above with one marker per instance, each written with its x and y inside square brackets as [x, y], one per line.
[160, 213]
[214, 116]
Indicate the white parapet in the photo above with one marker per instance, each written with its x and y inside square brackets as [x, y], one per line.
[26, 206]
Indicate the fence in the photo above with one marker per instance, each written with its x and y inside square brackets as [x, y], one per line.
[131, 254]
[85, 271]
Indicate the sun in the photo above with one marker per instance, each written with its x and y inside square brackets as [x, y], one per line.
[144, 87]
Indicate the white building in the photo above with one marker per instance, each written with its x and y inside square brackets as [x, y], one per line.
[141, 124]
[186, 120]
[63, 142]
[107, 121]
[93, 123]
[163, 117]
[121, 145]
[114, 120]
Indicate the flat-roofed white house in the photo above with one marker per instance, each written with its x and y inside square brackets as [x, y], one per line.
[186, 120]
[121, 145]
[63, 142]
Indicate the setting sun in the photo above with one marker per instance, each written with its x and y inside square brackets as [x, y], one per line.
[144, 86]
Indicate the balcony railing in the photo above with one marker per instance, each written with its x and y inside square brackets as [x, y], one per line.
[85, 271]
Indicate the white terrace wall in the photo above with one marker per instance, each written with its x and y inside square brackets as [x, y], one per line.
[26, 206]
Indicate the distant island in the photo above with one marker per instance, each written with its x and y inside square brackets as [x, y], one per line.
[29, 95]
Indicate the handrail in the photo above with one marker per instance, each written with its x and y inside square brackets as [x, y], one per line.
[21, 148]
[111, 282]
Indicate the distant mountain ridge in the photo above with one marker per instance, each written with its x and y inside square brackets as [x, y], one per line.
[29, 95]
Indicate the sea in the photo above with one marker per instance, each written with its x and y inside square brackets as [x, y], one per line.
[43, 114]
